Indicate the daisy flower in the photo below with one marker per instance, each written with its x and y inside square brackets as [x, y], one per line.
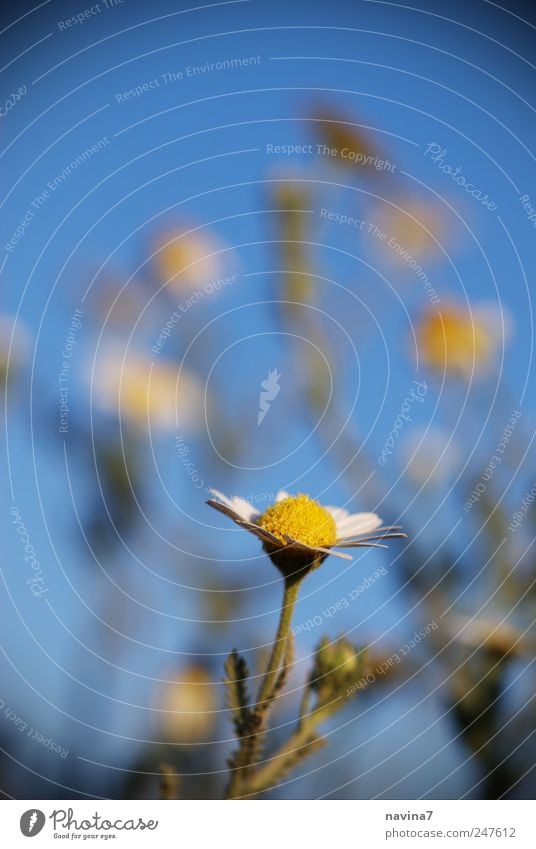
[298, 533]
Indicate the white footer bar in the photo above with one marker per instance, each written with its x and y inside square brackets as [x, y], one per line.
[263, 824]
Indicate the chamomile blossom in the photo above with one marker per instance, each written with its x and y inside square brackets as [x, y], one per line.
[298, 533]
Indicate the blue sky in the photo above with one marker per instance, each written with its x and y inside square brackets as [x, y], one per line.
[195, 149]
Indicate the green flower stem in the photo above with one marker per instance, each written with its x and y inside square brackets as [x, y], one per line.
[251, 744]
[291, 752]
[292, 587]
[304, 704]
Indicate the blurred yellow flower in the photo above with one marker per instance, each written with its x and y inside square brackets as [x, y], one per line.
[458, 340]
[186, 260]
[346, 143]
[408, 230]
[148, 394]
[188, 706]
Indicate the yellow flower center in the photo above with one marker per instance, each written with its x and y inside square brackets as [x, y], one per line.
[301, 518]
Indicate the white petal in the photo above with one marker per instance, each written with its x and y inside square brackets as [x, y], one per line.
[357, 523]
[244, 508]
[221, 497]
[239, 505]
[338, 513]
[281, 495]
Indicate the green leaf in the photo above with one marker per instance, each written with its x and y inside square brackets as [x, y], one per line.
[236, 691]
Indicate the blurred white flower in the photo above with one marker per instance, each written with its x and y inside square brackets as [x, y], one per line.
[495, 635]
[408, 230]
[149, 394]
[187, 259]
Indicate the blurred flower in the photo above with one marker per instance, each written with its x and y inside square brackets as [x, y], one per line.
[148, 394]
[15, 343]
[188, 259]
[496, 318]
[298, 533]
[459, 340]
[188, 706]
[353, 146]
[495, 637]
[431, 455]
[405, 232]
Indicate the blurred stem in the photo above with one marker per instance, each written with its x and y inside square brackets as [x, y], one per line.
[169, 782]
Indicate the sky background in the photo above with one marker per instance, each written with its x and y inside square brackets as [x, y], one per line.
[82, 663]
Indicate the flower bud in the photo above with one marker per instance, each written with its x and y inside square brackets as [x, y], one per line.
[337, 665]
